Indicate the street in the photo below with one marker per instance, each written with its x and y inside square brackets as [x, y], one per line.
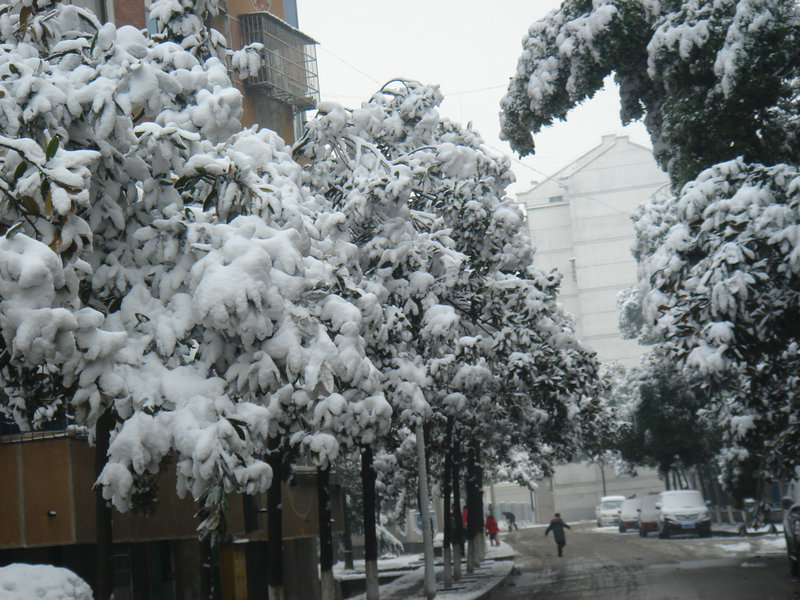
[602, 564]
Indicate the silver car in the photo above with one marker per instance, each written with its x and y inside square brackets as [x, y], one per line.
[683, 511]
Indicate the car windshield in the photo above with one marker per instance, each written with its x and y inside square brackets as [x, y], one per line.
[611, 504]
[682, 499]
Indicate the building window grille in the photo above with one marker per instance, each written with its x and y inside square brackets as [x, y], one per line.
[289, 60]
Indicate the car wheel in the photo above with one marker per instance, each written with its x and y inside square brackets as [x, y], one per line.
[663, 532]
[705, 531]
[794, 567]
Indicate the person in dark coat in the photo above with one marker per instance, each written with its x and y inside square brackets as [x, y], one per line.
[511, 519]
[557, 527]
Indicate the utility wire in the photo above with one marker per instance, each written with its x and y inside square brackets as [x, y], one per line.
[356, 69]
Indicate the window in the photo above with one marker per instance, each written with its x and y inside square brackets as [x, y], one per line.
[98, 7]
[555, 199]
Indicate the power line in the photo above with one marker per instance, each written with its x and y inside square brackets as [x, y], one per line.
[486, 89]
[356, 69]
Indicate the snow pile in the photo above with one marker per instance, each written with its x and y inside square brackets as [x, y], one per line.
[41, 582]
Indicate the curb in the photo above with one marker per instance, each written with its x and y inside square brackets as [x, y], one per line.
[500, 581]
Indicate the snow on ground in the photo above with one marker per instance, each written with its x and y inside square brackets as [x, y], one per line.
[41, 582]
[759, 545]
[734, 547]
[487, 576]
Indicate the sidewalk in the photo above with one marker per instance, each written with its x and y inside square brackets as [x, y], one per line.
[493, 570]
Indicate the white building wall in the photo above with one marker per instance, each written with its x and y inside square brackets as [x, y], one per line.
[579, 221]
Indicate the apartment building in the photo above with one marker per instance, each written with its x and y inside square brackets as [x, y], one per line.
[580, 223]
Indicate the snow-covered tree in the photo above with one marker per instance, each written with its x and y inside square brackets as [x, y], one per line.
[160, 263]
[717, 85]
[466, 319]
[712, 80]
[723, 282]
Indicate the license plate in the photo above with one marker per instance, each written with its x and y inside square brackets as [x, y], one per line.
[688, 526]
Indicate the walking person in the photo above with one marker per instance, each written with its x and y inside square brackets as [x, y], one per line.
[557, 527]
[492, 528]
[511, 519]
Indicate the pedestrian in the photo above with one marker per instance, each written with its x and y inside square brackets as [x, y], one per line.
[492, 529]
[512, 521]
[557, 527]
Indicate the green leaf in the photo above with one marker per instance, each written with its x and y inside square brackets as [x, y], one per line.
[142, 318]
[24, 15]
[13, 229]
[30, 205]
[13, 68]
[210, 199]
[19, 171]
[52, 148]
[238, 426]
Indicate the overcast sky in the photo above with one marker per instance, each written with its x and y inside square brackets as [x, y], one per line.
[469, 48]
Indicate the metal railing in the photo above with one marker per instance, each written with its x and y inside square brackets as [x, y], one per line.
[289, 60]
[39, 434]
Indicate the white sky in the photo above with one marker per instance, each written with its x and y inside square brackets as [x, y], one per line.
[469, 48]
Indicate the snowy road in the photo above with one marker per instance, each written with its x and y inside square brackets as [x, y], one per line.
[601, 564]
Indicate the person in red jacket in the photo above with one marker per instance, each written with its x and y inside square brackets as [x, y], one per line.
[492, 529]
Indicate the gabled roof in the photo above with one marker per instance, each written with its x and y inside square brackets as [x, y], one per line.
[607, 143]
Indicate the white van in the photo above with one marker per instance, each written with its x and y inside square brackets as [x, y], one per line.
[608, 510]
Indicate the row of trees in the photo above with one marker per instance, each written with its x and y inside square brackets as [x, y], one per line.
[718, 87]
[189, 292]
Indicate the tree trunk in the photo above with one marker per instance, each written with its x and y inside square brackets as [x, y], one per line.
[104, 584]
[666, 479]
[368, 477]
[207, 591]
[275, 522]
[474, 512]
[448, 509]
[348, 538]
[603, 477]
[327, 582]
[481, 509]
[424, 506]
[458, 542]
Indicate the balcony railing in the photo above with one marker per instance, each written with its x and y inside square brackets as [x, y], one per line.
[289, 60]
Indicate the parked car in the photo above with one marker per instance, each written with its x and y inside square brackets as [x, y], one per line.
[648, 515]
[607, 510]
[628, 517]
[791, 523]
[682, 511]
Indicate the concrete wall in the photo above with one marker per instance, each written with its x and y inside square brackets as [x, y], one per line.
[578, 487]
[574, 491]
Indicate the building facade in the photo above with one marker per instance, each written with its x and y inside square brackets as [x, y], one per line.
[579, 221]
